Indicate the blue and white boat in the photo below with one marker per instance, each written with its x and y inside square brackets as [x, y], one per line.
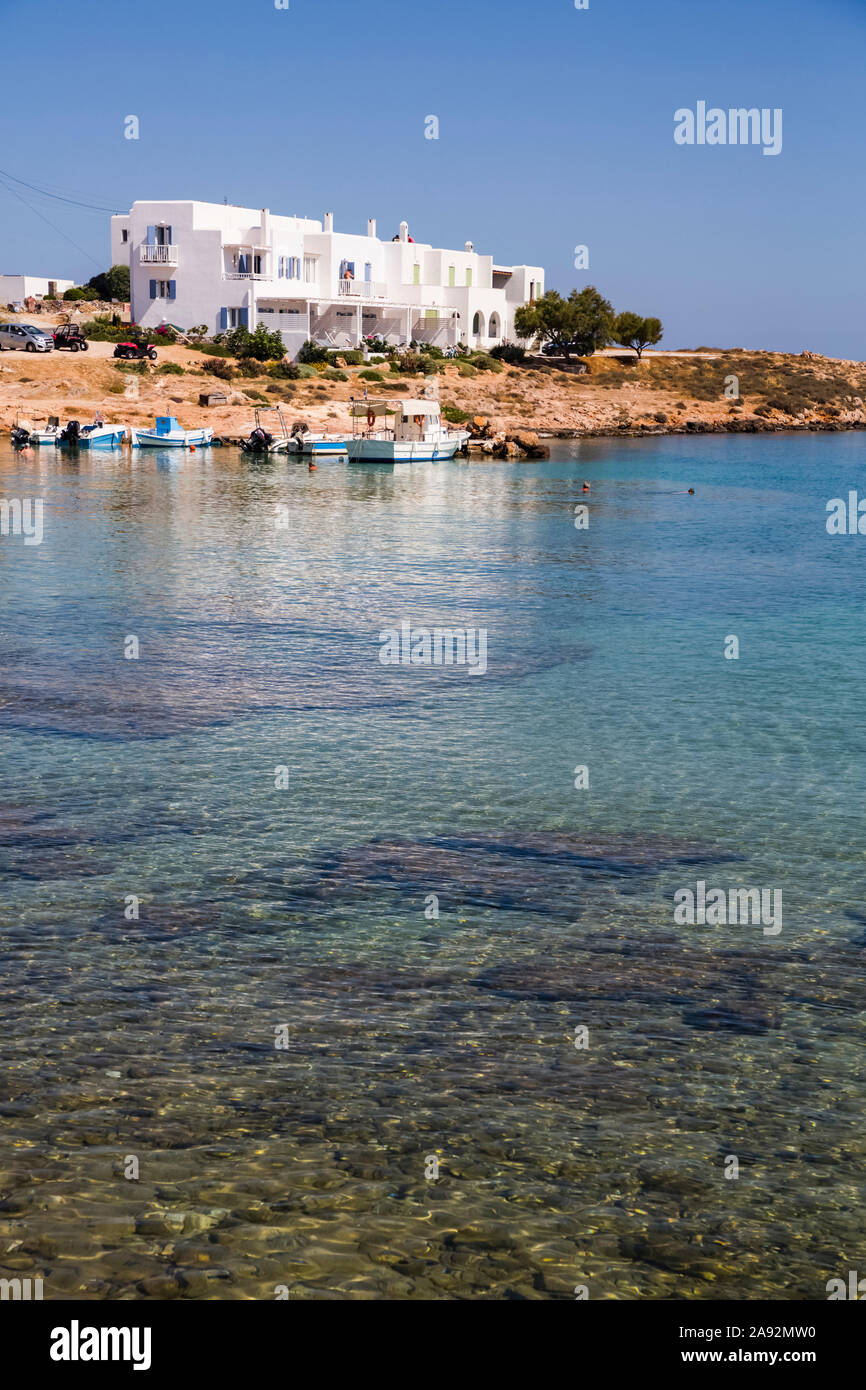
[169, 434]
[416, 435]
[102, 436]
[314, 445]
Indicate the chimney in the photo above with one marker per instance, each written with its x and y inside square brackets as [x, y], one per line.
[371, 226]
[329, 221]
[266, 227]
[470, 246]
[404, 231]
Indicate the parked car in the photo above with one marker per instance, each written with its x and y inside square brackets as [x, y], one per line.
[135, 351]
[26, 337]
[69, 335]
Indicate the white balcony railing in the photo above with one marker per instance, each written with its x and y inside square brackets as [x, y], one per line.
[158, 255]
[362, 289]
[244, 275]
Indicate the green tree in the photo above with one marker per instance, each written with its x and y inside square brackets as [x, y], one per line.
[634, 332]
[262, 345]
[581, 324]
[111, 284]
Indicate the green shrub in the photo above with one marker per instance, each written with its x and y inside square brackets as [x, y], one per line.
[660, 417]
[371, 376]
[508, 352]
[170, 369]
[352, 357]
[375, 361]
[312, 352]
[466, 369]
[454, 415]
[284, 371]
[485, 363]
[335, 374]
[80, 292]
[305, 370]
[224, 370]
[261, 346]
[212, 349]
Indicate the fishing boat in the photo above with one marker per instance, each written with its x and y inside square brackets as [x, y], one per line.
[102, 436]
[404, 431]
[169, 434]
[313, 445]
[49, 435]
[261, 440]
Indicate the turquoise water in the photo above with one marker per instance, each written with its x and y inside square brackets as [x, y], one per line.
[302, 907]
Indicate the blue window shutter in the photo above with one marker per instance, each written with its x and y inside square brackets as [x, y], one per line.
[151, 235]
[153, 289]
[245, 317]
[224, 319]
[172, 289]
[242, 264]
[168, 236]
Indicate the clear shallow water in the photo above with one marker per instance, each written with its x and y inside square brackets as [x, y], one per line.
[305, 907]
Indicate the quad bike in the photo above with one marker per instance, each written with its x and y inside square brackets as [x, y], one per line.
[135, 352]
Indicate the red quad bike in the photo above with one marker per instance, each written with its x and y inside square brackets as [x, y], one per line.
[135, 352]
[69, 335]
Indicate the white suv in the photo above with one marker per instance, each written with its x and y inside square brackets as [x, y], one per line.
[26, 337]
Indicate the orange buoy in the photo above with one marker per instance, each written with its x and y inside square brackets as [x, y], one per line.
[192, 448]
[585, 487]
[312, 467]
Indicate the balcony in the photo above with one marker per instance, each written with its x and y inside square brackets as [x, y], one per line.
[159, 255]
[362, 289]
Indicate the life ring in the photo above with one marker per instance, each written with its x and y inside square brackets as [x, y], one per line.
[419, 420]
[371, 418]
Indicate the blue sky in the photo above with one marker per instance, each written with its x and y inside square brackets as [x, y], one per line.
[556, 130]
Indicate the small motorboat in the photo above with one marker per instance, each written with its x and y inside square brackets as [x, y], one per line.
[261, 441]
[49, 435]
[20, 437]
[102, 436]
[169, 434]
[302, 441]
[416, 435]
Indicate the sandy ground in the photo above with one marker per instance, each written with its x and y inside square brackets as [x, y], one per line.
[611, 398]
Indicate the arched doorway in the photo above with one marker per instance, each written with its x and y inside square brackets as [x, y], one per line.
[493, 328]
[478, 325]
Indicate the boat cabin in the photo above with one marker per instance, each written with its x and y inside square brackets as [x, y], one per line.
[410, 421]
[166, 424]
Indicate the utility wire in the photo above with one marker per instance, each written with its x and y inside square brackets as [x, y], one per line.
[59, 197]
[23, 200]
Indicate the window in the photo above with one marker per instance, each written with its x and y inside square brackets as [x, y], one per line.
[237, 318]
[452, 275]
[469, 276]
[257, 265]
[124, 235]
[368, 272]
[162, 289]
[311, 269]
[416, 274]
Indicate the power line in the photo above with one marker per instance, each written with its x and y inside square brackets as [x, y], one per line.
[58, 197]
[47, 220]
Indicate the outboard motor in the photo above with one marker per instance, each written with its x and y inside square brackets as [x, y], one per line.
[71, 434]
[20, 438]
[259, 442]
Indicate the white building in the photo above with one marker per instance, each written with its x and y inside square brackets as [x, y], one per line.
[208, 263]
[14, 289]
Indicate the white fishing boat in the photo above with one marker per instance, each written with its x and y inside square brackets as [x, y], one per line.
[102, 436]
[404, 431]
[261, 440]
[169, 434]
[49, 434]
